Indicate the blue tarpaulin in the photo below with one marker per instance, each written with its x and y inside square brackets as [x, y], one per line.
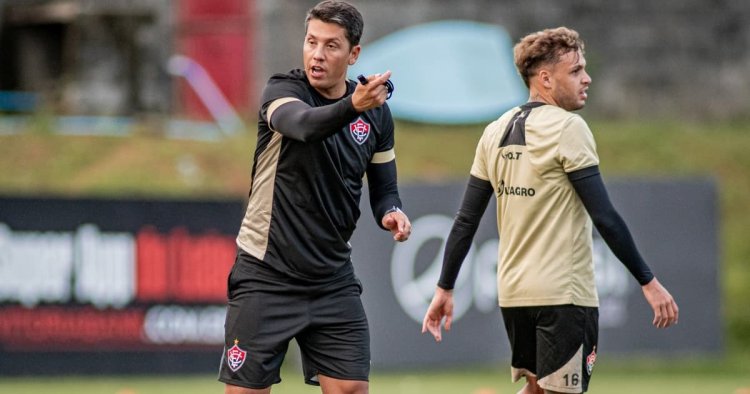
[447, 72]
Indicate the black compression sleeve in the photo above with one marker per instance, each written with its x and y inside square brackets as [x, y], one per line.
[476, 198]
[299, 121]
[590, 188]
[381, 178]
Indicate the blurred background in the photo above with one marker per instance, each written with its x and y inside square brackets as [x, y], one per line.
[127, 130]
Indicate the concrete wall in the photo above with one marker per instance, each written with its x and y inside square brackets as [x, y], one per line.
[686, 58]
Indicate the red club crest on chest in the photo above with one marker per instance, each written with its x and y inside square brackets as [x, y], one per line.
[359, 130]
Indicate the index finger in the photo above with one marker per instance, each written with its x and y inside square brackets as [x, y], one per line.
[382, 78]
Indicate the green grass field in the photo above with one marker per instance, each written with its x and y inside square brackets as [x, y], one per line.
[618, 377]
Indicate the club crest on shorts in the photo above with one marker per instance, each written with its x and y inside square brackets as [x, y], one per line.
[235, 357]
[590, 360]
[359, 130]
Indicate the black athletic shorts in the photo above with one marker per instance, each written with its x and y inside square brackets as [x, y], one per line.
[556, 344]
[266, 310]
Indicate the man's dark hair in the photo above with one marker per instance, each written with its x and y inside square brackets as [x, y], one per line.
[340, 13]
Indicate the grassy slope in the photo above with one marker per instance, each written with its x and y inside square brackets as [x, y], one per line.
[146, 165]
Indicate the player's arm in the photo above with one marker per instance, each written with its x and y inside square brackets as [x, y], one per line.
[590, 188]
[476, 198]
[384, 198]
[299, 121]
[465, 224]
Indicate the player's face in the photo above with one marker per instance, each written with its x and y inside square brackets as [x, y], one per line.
[327, 55]
[570, 81]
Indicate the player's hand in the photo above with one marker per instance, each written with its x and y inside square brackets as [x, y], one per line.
[371, 95]
[440, 308]
[666, 312]
[398, 224]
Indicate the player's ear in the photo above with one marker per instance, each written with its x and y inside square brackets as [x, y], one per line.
[354, 54]
[545, 77]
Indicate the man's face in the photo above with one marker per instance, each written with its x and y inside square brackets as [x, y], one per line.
[327, 54]
[570, 81]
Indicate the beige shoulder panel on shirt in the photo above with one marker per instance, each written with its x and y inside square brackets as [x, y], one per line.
[383, 157]
[275, 105]
[577, 146]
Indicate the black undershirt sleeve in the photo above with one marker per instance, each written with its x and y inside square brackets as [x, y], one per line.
[382, 181]
[590, 188]
[476, 198]
[299, 121]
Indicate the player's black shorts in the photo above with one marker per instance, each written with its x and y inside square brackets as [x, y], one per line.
[266, 310]
[557, 344]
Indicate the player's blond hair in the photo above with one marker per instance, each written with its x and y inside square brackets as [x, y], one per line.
[544, 47]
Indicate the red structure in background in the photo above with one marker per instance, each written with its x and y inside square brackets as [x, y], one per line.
[181, 267]
[217, 34]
